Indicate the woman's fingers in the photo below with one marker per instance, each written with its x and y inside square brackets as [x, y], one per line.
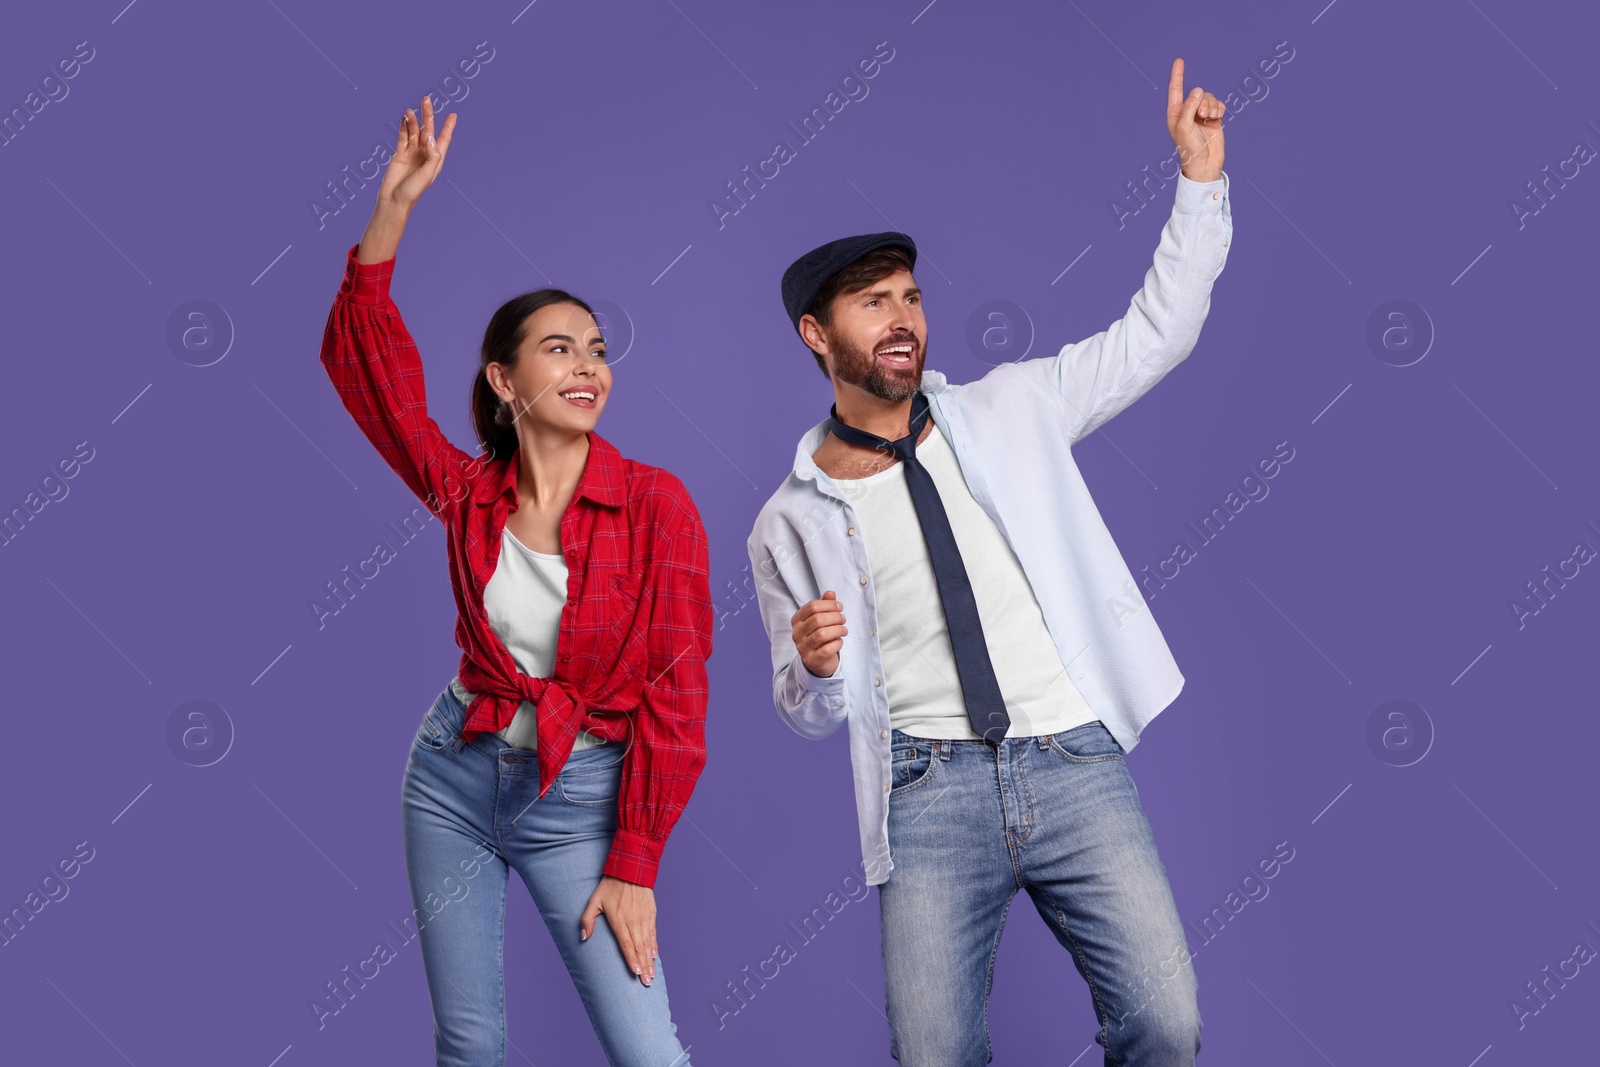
[586, 923]
[642, 938]
[401, 135]
[444, 136]
[630, 953]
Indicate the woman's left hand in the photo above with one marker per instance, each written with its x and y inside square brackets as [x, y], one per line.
[630, 911]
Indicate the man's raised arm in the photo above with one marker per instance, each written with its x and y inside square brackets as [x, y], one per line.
[1092, 380]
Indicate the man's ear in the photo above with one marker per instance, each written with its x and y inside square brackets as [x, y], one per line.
[812, 334]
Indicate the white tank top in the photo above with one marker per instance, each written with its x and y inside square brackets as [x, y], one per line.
[919, 665]
[524, 599]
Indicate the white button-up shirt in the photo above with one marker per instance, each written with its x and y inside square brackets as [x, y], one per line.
[1012, 431]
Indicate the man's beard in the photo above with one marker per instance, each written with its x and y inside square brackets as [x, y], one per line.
[861, 368]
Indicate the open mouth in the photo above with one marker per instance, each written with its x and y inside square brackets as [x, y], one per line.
[581, 397]
[898, 355]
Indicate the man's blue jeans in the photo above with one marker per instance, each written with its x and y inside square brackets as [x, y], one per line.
[1058, 816]
[470, 814]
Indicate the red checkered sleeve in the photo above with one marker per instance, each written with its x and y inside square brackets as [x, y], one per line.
[374, 365]
[668, 748]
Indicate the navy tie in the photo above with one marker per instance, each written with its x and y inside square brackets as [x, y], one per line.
[986, 708]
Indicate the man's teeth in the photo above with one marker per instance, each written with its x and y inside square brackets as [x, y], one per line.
[896, 350]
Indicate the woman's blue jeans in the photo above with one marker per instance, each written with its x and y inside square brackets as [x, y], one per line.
[470, 814]
[1059, 817]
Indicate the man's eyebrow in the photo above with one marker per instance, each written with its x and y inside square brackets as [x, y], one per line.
[882, 291]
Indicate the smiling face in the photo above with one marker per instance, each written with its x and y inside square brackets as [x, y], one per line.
[560, 379]
[876, 338]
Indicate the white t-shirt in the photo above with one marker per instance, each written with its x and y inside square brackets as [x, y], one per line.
[524, 599]
[924, 689]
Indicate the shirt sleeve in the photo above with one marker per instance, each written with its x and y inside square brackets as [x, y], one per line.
[667, 749]
[812, 706]
[1090, 381]
[374, 365]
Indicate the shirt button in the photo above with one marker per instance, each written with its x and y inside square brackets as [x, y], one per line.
[883, 733]
[885, 787]
[1216, 196]
[874, 631]
[877, 681]
[1224, 241]
[863, 579]
[852, 531]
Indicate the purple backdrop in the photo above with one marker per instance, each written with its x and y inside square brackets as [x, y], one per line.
[1402, 311]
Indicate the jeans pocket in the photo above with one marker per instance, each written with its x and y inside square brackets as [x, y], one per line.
[1089, 743]
[911, 764]
[591, 778]
[432, 735]
[442, 722]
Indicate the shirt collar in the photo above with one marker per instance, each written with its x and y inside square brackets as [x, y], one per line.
[604, 479]
[805, 467]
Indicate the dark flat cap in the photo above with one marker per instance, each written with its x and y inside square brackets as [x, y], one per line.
[806, 274]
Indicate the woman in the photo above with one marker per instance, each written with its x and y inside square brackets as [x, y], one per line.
[573, 735]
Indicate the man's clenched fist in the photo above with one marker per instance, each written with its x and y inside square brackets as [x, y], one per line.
[819, 634]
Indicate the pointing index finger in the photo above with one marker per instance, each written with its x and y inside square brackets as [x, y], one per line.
[1175, 87]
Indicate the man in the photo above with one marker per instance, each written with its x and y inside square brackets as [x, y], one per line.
[935, 573]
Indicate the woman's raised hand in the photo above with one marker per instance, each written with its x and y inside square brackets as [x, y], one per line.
[418, 156]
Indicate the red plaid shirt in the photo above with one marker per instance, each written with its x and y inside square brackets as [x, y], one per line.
[636, 629]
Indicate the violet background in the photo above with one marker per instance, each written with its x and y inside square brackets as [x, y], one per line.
[1380, 165]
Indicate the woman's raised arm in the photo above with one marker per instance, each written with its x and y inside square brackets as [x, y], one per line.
[368, 352]
[417, 160]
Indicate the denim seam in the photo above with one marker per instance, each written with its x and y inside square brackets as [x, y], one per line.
[494, 812]
[500, 972]
[1027, 796]
[989, 978]
[1100, 1011]
[1009, 834]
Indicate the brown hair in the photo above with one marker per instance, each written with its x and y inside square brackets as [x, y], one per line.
[852, 278]
[501, 340]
